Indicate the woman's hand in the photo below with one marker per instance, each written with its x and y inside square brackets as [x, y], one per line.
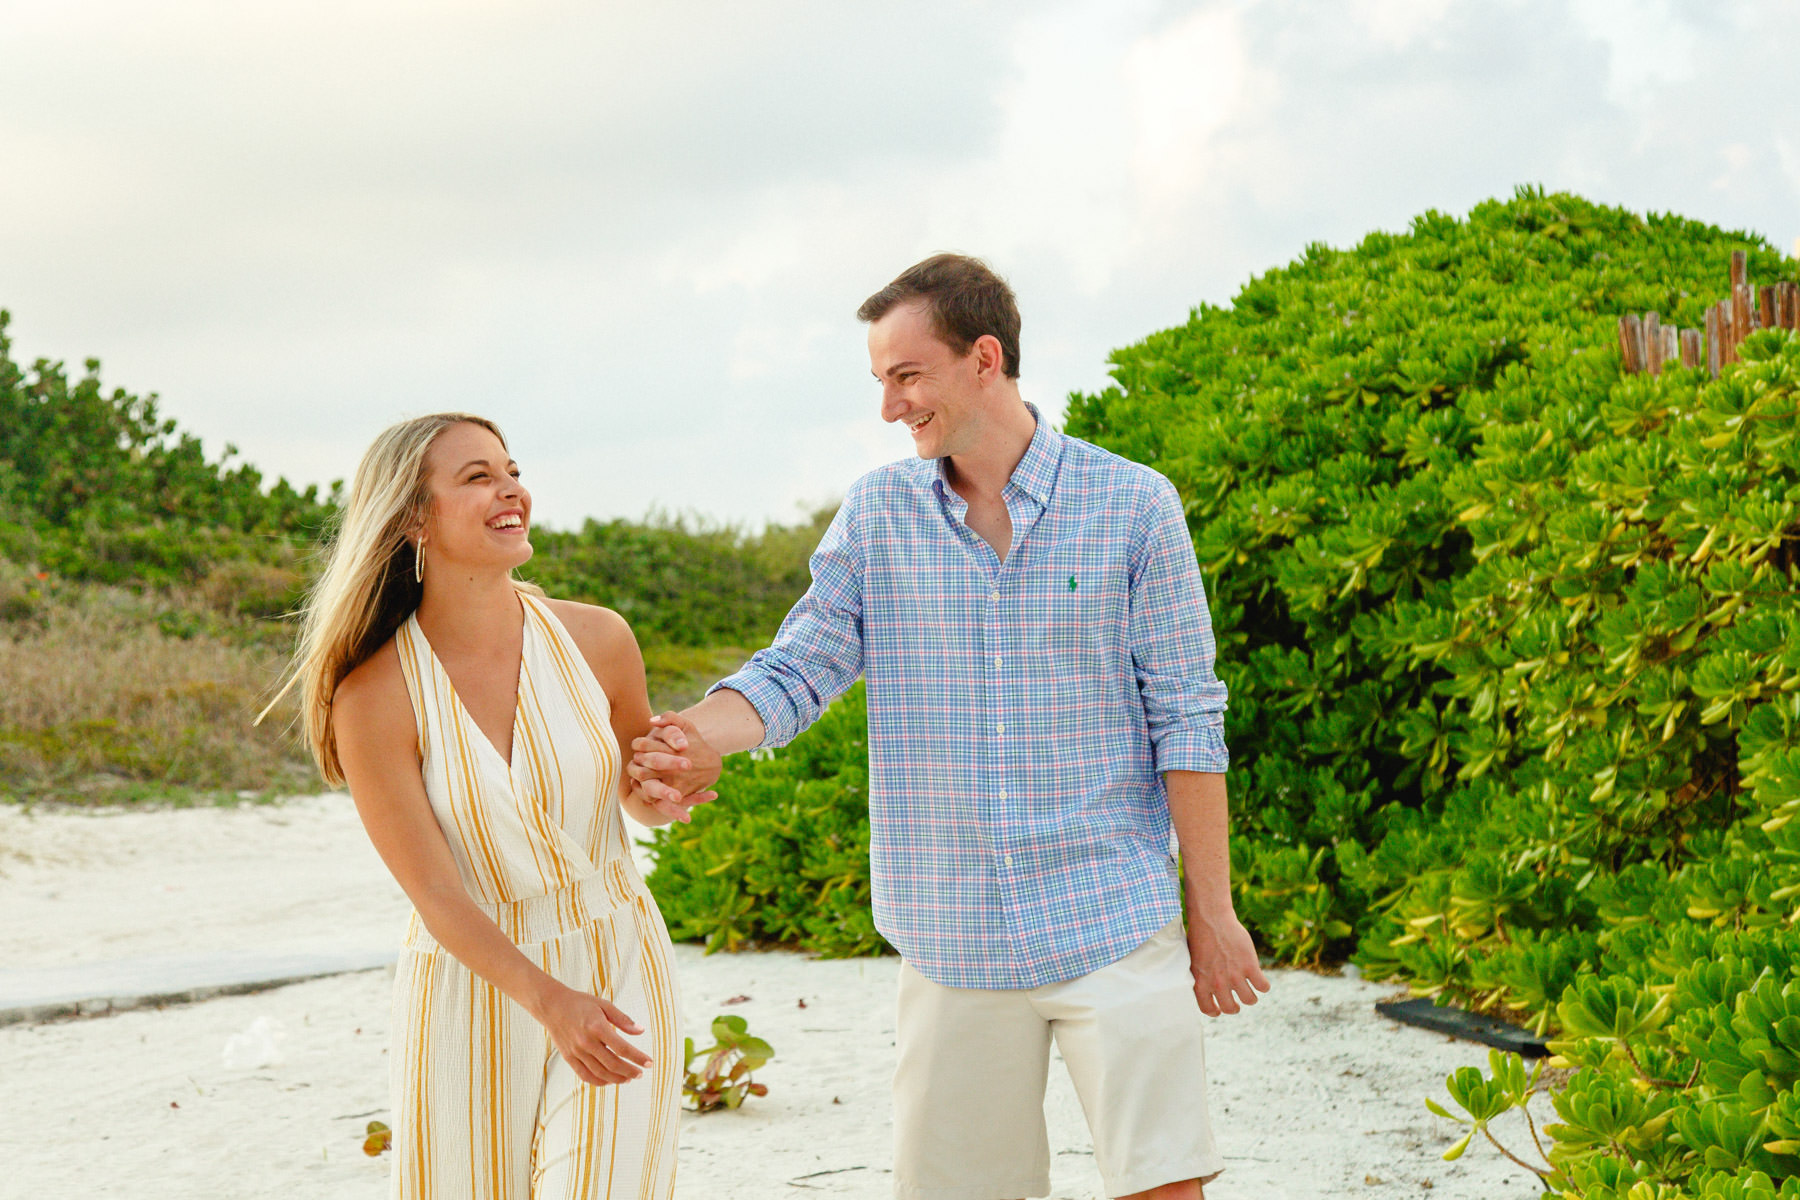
[673, 761]
[586, 1031]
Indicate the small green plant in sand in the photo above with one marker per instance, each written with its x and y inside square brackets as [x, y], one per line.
[722, 1079]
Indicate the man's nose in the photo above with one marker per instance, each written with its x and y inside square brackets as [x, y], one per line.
[891, 404]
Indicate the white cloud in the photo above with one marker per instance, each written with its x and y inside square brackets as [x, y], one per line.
[1399, 23]
[1650, 45]
[637, 234]
[1187, 82]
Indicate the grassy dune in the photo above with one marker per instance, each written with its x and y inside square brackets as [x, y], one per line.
[114, 696]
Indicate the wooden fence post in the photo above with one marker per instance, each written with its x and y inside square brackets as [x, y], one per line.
[1690, 348]
[1653, 342]
[1628, 344]
[1714, 358]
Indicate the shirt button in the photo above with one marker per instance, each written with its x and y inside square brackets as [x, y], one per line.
[996, 662]
[1008, 860]
[1000, 728]
[1003, 793]
[995, 597]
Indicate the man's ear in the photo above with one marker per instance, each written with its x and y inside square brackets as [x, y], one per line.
[990, 358]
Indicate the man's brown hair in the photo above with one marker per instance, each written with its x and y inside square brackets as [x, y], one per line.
[965, 300]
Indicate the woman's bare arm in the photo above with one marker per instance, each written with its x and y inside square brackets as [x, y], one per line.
[377, 742]
[611, 650]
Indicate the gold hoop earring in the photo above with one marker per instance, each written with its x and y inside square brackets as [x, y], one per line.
[419, 561]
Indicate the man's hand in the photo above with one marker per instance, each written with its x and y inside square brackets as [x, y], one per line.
[673, 764]
[1223, 961]
[667, 803]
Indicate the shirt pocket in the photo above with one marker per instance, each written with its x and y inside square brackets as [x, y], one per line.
[1067, 628]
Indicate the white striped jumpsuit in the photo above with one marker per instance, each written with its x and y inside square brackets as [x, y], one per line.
[484, 1106]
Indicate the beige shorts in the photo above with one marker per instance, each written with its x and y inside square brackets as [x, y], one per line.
[969, 1086]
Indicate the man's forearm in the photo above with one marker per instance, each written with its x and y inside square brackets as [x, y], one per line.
[1198, 810]
[727, 721]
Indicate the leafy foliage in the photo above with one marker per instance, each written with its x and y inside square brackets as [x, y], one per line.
[1466, 575]
[680, 581]
[1514, 648]
[143, 591]
[785, 857]
[722, 1079]
[99, 486]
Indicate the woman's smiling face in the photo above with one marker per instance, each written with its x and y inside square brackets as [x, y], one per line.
[479, 514]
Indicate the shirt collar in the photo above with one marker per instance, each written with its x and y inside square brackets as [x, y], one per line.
[1035, 475]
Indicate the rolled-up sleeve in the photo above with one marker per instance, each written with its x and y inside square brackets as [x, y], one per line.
[1172, 643]
[818, 652]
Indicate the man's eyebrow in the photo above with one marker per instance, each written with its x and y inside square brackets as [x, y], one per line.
[899, 366]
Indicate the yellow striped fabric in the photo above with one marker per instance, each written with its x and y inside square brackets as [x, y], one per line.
[483, 1104]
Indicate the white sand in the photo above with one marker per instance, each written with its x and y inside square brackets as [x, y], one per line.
[1312, 1093]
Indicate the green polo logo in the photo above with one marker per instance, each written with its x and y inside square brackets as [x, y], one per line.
[1071, 583]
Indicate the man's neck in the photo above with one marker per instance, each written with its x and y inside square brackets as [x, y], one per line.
[983, 472]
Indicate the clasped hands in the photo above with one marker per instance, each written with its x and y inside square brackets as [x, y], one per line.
[673, 768]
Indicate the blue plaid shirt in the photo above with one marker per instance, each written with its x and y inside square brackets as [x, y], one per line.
[1020, 713]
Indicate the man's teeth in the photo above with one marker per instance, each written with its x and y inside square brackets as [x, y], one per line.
[916, 426]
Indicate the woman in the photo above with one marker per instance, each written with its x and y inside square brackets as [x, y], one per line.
[478, 727]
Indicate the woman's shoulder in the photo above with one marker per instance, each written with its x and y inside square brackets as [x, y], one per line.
[372, 684]
[595, 629]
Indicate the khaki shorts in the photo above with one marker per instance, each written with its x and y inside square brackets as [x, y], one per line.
[969, 1086]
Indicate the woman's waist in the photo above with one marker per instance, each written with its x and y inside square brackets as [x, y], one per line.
[542, 918]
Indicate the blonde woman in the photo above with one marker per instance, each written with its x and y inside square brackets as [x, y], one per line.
[478, 727]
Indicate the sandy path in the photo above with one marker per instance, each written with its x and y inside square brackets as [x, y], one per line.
[1312, 1093]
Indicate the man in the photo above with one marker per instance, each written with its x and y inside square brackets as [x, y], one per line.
[1043, 711]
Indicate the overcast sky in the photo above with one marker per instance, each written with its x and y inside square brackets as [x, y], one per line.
[636, 234]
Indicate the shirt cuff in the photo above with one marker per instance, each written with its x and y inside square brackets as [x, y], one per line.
[781, 724]
[1194, 747]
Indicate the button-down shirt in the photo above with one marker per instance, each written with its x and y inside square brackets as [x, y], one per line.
[1020, 712]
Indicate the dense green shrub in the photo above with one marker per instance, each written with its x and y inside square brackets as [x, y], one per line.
[785, 857]
[110, 513]
[1514, 650]
[681, 581]
[100, 486]
[1388, 453]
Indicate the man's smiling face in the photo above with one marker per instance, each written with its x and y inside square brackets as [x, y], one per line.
[925, 384]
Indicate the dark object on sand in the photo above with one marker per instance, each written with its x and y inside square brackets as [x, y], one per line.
[1471, 1027]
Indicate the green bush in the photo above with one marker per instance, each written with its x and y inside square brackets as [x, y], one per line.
[784, 857]
[1514, 649]
[113, 515]
[99, 486]
[681, 581]
[1421, 493]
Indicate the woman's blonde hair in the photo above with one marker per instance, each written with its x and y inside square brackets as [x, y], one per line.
[368, 587]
